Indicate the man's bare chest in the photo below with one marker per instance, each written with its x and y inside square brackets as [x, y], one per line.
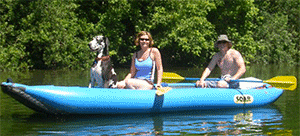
[225, 61]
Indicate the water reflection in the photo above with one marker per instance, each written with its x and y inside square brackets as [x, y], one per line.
[236, 121]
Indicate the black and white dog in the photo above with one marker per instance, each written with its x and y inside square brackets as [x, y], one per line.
[102, 71]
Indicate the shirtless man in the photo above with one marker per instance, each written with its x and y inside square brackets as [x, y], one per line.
[230, 62]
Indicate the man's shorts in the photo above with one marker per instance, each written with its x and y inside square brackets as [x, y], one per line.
[213, 84]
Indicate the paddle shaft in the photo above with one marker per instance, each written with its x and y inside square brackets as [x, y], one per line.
[218, 79]
[176, 76]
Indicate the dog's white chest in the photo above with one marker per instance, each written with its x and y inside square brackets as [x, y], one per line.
[96, 74]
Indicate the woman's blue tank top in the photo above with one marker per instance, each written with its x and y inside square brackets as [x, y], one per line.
[145, 69]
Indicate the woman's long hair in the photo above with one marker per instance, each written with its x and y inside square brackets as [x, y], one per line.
[137, 39]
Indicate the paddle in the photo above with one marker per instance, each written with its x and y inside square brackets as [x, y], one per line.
[282, 82]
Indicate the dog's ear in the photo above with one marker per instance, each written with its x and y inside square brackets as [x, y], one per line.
[106, 46]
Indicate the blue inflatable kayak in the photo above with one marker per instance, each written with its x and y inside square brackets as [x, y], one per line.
[183, 96]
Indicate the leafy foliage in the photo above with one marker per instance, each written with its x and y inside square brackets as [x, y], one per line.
[276, 34]
[54, 34]
[185, 36]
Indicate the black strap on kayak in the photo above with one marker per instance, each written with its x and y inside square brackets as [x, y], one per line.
[158, 103]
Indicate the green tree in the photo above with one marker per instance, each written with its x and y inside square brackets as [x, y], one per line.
[183, 32]
[49, 32]
[54, 34]
[278, 34]
[12, 54]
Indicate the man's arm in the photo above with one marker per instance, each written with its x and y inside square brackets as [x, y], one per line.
[207, 71]
[212, 64]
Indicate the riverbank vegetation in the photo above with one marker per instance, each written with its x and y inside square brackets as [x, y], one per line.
[53, 34]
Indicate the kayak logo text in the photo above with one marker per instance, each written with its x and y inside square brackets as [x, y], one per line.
[243, 99]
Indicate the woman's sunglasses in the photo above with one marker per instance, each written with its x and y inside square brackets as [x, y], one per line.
[142, 39]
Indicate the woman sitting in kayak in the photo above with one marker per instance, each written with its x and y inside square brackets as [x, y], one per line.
[143, 65]
[230, 62]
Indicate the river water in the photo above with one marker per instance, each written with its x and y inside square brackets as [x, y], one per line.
[281, 117]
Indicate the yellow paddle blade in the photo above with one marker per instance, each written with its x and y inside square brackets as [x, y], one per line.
[162, 90]
[283, 82]
[170, 77]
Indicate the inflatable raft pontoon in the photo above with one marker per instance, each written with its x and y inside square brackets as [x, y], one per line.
[183, 96]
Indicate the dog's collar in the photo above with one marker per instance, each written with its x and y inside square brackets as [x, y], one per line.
[104, 58]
